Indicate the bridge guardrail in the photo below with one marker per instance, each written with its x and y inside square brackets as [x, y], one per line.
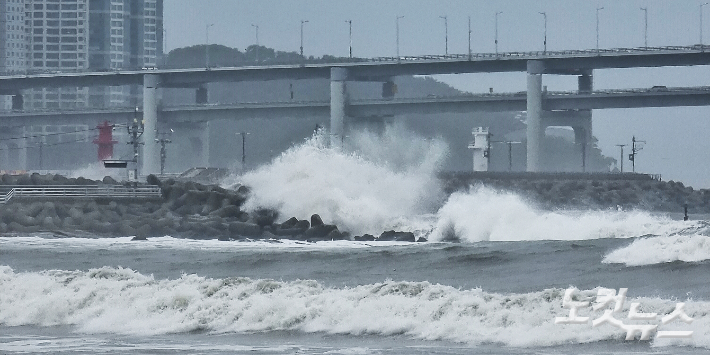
[89, 191]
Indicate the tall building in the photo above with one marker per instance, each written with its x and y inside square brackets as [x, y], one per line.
[75, 35]
[13, 42]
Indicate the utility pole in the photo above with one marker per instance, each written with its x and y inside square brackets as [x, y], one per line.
[621, 157]
[257, 41]
[163, 152]
[41, 143]
[135, 130]
[446, 33]
[244, 154]
[636, 146]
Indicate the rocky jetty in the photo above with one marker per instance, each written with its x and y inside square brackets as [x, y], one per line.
[186, 210]
[601, 191]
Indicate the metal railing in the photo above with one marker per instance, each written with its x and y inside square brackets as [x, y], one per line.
[89, 191]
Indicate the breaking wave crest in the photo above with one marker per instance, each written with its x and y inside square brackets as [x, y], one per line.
[689, 245]
[363, 188]
[483, 214]
[122, 301]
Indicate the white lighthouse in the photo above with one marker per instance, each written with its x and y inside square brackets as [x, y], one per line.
[481, 146]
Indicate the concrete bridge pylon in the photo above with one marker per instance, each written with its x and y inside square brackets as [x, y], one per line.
[338, 105]
[535, 131]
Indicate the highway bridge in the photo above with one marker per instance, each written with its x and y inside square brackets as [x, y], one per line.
[538, 104]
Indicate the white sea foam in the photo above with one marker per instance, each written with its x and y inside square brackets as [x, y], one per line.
[662, 249]
[364, 188]
[483, 214]
[121, 301]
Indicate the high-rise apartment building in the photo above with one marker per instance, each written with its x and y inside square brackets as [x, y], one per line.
[13, 42]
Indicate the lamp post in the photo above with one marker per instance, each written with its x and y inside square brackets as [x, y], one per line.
[598, 8]
[350, 26]
[256, 27]
[496, 33]
[244, 155]
[397, 22]
[302, 22]
[702, 48]
[544, 42]
[446, 33]
[645, 26]
[207, 44]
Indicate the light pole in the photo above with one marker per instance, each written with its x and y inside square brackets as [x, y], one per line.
[397, 22]
[302, 22]
[446, 33]
[544, 42]
[256, 27]
[598, 8]
[469, 38]
[207, 44]
[496, 33]
[645, 26]
[350, 25]
[621, 157]
[702, 48]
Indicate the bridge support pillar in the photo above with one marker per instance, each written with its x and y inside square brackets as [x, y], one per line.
[205, 141]
[151, 149]
[338, 103]
[535, 131]
[583, 131]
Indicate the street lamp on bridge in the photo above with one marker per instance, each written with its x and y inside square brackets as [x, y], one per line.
[598, 9]
[397, 23]
[302, 22]
[207, 44]
[496, 32]
[645, 26]
[446, 33]
[544, 42]
[702, 48]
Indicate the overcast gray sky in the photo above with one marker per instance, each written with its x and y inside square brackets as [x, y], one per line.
[677, 146]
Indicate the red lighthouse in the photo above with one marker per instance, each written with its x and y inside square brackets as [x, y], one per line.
[105, 141]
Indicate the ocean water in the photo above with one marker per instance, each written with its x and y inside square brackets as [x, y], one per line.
[491, 279]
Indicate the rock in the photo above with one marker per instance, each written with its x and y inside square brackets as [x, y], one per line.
[365, 238]
[109, 180]
[151, 180]
[265, 217]
[248, 230]
[319, 232]
[302, 225]
[316, 220]
[422, 240]
[230, 211]
[397, 236]
[139, 238]
[290, 223]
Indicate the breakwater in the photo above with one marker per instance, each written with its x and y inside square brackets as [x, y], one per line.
[192, 210]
